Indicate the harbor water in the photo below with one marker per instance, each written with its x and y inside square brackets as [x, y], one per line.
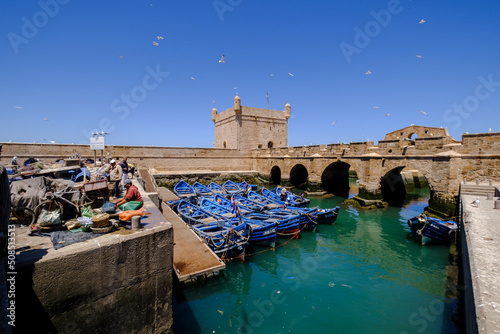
[363, 274]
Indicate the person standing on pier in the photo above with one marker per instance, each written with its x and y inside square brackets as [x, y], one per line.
[115, 175]
[124, 166]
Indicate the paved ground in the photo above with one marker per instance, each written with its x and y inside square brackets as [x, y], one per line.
[482, 228]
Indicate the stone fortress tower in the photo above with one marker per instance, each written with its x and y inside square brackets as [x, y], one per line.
[245, 128]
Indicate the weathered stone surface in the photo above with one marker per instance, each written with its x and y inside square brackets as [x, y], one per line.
[367, 204]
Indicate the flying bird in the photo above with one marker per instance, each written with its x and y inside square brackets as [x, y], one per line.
[17, 107]
[272, 74]
[375, 107]
[45, 119]
[419, 57]
[155, 44]
[121, 57]
[213, 101]
[159, 37]
[222, 59]
[235, 88]
[422, 21]
[368, 72]
[387, 114]
[333, 123]
[290, 74]
[475, 202]
[423, 112]
[193, 78]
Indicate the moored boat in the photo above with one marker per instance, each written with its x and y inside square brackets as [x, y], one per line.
[287, 225]
[184, 190]
[260, 232]
[202, 190]
[300, 200]
[232, 187]
[432, 229]
[216, 188]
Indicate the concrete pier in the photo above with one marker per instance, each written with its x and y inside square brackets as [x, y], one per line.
[480, 250]
[115, 283]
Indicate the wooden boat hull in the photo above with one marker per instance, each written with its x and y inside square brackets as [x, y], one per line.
[433, 230]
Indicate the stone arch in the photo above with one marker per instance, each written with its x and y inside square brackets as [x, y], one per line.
[299, 176]
[335, 178]
[275, 175]
[393, 185]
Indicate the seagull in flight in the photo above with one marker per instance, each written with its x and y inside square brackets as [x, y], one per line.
[423, 112]
[419, 57]
[155, 44]
[272, 74]
[193, 78]
[475, 202]
[159, 37]
[17, 107]
[46, 119]
[375, 107]
[368, 72]
[422, 21]
[333, 123]
[387, 114]
[290, 74]
[235, 88]
[222, 59]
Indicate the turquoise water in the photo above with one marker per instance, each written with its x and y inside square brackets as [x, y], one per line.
[363, 274]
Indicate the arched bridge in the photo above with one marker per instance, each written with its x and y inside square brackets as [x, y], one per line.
[443, 161]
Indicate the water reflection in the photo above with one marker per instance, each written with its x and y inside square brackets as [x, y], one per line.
[364, 264]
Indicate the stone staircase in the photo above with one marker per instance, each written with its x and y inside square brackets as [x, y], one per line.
[478, 190]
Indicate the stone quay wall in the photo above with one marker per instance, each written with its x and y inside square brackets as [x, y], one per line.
[160, 158]
[104, 285]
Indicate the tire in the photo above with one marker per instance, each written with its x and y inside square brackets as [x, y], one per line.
[23, 216]
[50, 205]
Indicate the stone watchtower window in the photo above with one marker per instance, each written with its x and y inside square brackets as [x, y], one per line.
[224, 144]
[260, 146]
[270, 144]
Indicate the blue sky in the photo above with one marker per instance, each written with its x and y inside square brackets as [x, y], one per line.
[61, 60]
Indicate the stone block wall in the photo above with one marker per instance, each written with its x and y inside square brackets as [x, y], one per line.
[117, 284]
[482, 143]
[160, 158]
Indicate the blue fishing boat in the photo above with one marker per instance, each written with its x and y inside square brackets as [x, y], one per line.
[226, 242]
[184, 190]
[216, 189]
[226, 237]
[300, 200]
[248, 203]
[307, 216]
[277, 198]
[287, 225]
[258, 198]
[231, 205]
[232, 187]
[433, 230]
[245, 185]
[202, 190]
[260, 232]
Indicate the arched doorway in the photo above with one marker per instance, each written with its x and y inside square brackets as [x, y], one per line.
[335, 179]
[299, 176]
[275, 175]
